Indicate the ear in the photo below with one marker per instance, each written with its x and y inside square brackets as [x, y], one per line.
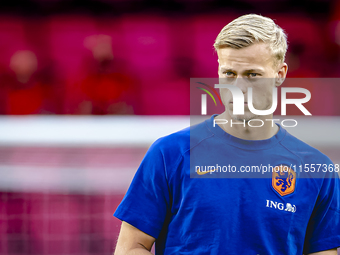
[281, 74]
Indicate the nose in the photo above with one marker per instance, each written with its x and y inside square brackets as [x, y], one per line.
[241, 83]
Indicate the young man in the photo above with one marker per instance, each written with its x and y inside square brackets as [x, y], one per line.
[283, 212]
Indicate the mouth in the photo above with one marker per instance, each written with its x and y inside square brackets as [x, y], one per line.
[232, 102]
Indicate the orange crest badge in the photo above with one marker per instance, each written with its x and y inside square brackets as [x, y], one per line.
[284, 180]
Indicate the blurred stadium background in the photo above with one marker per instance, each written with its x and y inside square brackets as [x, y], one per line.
[87, 86]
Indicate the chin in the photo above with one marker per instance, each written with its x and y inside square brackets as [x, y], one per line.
[245, 117]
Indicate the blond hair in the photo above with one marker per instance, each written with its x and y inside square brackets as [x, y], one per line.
[249, 29]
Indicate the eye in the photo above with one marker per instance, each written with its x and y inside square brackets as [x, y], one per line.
[228, 73]
[252, 75]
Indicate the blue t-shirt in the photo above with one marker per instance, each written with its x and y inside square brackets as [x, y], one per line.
[198, 191]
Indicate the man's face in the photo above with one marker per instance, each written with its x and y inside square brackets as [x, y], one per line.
[253, 67]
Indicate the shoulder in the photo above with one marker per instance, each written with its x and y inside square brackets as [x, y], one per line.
[303, 150]
[180, 142]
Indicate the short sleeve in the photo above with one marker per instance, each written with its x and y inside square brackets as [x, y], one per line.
[323, 231]
[147, 201]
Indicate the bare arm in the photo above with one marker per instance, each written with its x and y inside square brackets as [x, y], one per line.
[328, 252]
[132, 241]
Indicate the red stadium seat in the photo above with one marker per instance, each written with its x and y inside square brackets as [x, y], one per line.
[205, 30]
[306, 51]
[147, 45]
[12, 38]
[17, 223]
[66, 39]
[3, 224]
[55, 224]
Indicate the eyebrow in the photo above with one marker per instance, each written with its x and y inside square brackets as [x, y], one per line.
[245, 71]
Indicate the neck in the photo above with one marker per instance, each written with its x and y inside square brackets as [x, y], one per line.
[242, 129]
